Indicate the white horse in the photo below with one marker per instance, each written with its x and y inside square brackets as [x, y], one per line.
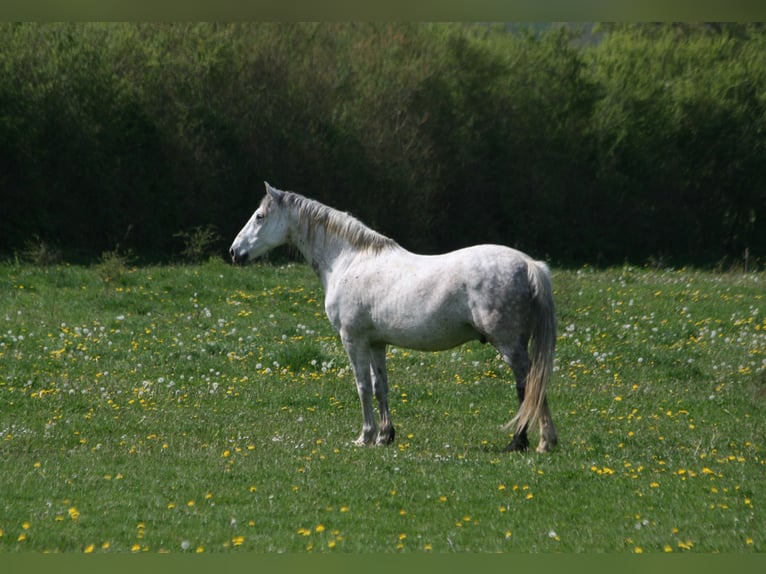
[378, 293]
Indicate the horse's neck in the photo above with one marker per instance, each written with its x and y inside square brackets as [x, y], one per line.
[321, 249]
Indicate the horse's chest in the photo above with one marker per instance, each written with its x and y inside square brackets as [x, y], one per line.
[347, 306]
[341, 309]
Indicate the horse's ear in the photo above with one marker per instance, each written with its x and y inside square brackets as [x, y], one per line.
[275, 194]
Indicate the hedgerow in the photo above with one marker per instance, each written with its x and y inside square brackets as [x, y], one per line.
[598, 144]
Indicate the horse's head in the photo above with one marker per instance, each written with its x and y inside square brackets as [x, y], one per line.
[266, 229]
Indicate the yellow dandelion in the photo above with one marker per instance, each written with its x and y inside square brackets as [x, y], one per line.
[402, 536]
[89, 548]
[237, 540]
[331, 544]
[638, 550]
[135, 548]
[22, 537]
[74, 514]
[199, 550]
[319, 528]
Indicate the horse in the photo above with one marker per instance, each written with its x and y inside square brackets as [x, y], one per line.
[377, 293]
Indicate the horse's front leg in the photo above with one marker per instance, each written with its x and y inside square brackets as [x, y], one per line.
[386, 433]
[360, 354]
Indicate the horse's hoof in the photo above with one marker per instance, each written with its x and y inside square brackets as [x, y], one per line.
[518, 444]
[385, 439]
[546, 446]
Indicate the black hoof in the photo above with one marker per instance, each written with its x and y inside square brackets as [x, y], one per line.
[520, 443]
[384, 440]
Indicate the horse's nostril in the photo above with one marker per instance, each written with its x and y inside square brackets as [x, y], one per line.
[238, 258]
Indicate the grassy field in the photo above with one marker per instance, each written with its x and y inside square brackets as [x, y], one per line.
[192, 409]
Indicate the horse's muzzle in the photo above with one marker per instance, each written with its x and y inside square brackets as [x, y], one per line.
[238, 258]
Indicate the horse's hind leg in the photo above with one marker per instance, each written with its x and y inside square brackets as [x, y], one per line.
[386, 432]
[548, 437]
[517, 358]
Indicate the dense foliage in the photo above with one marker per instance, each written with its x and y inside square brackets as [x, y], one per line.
[630, 142]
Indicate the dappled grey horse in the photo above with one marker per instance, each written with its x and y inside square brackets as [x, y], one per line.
[378, 293]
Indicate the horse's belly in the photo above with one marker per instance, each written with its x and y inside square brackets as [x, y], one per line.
[424, 335]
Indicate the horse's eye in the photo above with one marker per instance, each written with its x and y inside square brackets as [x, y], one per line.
[259, 217]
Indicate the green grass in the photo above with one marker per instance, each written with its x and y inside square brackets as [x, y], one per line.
[211, 409]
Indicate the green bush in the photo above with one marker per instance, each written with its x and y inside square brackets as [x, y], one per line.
[623, 142]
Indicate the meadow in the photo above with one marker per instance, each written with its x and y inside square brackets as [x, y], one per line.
[210, 409]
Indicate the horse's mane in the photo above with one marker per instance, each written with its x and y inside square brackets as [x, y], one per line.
[313, 214]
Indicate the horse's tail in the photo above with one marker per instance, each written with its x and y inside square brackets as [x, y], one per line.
[543, 336]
